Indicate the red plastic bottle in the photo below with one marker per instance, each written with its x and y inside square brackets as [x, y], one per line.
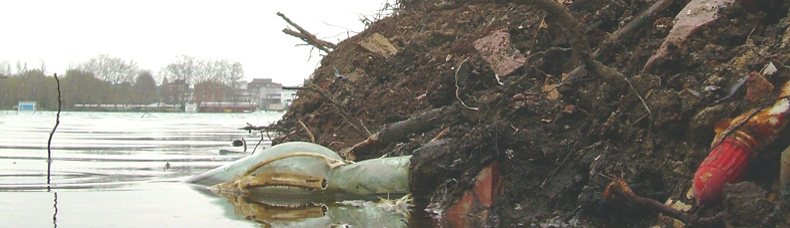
[726, 163]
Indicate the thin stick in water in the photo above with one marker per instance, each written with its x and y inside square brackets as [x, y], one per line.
[49, 143]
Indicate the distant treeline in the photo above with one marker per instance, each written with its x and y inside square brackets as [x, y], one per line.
[109, 80]
[77, 87]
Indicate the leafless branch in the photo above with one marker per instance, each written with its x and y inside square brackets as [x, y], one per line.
[310, 134]
[619, 187]
[306, 36]
[400, 130]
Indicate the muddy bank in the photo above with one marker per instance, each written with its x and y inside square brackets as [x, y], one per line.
[502, 69]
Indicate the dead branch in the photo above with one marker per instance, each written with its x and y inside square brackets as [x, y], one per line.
[249, 128]
[259, 143]
[306, 36]
[310, 134]
[639, 21]
[440, 135]
[583, 50]
[619, 187]
[579, 42]
[402, 129]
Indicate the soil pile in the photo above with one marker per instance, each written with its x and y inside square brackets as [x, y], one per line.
[496, 76]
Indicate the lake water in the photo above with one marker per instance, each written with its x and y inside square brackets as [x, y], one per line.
[126, 170]
[119, 169]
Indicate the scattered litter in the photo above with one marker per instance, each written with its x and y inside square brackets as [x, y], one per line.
[379, 44]
[769, 69]
[696, 14]
[497, 51]
[757, 87]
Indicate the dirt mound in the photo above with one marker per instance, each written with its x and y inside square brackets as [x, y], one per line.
[559, 140]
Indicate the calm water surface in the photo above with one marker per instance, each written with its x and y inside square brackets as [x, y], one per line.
[118, 169]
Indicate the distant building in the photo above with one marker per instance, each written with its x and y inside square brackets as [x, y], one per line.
[210, 91]
[267, 93]
[27, 106]
[289, 95]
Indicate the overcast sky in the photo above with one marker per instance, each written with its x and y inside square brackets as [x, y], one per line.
[154, 32]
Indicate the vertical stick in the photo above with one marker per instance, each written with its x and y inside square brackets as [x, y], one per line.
[49, 143]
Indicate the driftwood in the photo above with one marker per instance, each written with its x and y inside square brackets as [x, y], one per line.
[402, 129]
[306, 36]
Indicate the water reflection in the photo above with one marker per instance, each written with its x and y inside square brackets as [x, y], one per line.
[356, 213]
[55, 214]
[111, 170]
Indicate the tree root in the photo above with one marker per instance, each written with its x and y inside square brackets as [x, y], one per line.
[618, 188]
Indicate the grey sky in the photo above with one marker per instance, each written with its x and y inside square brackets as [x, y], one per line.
[153, 33]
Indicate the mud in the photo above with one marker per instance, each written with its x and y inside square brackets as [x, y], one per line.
[558, 142]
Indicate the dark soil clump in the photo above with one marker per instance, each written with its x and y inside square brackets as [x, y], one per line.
[559, 142]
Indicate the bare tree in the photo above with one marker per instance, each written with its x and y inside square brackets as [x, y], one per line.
[5, 68]
[145, 88]
[188, 69]
[111, 69]
[183, 68]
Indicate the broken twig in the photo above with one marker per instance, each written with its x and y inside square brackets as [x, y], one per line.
[259, 143]
[402, 129]
[310, 134]
[249, 128]
[458, 88]
[639, 21]
[306, 36]
[619, 186]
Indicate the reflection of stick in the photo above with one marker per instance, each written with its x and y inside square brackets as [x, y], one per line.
[306, 36]
[245, 144]
[49, 143]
